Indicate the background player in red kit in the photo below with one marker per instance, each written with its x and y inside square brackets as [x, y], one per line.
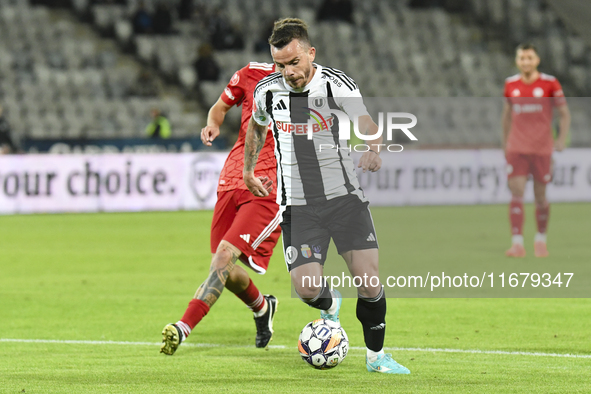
[243, 227]
[528, 142]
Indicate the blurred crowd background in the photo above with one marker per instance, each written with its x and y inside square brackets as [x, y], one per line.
[84, 69]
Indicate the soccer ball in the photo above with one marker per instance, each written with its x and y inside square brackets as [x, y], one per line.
[323, 344]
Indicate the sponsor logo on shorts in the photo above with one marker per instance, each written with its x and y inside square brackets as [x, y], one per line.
[509, 168]
[306, 251]
[547, 177]
[291, 254]
[245, 237]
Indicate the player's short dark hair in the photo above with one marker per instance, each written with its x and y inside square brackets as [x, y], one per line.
[526, 46]
[287, 29]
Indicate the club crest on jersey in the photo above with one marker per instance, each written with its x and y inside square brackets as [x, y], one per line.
[235, 79]
[318, 102]
[306, 251]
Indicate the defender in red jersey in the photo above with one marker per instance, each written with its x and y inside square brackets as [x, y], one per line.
[243, 227]
[531, 97]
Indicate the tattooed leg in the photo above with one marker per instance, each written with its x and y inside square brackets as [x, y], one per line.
[222, 264]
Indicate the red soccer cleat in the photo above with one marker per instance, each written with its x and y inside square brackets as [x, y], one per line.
[516, 250]
[540, 249]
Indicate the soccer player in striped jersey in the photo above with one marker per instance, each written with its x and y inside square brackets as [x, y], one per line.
[528, 142]
[243, 228]
[318, 190]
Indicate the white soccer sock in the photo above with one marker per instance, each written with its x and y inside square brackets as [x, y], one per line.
[333, 308]
[263, 309]
[517, 239]
[373, 356]
[540, 237]
[184, 328]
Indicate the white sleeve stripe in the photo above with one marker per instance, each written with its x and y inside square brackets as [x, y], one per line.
[270, 65]
[344, 81]
[268, 78]
[260, 68]
[342, 75]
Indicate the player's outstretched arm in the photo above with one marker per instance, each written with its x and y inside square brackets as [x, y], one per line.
[564, 114]
[370, 160]
[253, 143]
[215, 118]
[506, 122]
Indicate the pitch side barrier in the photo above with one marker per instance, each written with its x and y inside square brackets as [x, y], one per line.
[148, 182]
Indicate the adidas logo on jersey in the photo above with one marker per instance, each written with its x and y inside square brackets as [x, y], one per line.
[371, 238]
[280, 105]
[245, 237]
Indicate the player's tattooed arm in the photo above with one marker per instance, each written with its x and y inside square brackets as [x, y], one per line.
[253, 143]
[211, 289]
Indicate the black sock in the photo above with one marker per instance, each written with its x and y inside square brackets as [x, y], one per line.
[371, 312]
[322, 301]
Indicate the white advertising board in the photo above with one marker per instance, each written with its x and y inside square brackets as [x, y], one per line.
[188, 181]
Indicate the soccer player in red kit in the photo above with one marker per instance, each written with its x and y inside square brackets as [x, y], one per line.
[531, 97]
[243, 227]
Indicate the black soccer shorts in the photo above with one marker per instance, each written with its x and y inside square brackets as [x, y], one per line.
[307, 229]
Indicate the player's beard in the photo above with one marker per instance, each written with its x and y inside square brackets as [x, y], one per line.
[301, 81]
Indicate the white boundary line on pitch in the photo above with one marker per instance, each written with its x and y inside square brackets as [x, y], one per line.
[214, 345]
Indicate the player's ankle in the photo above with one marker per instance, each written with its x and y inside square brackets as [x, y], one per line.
[372, 356]
[263, 310]
[540, 237]
[184, 329]
[334, 306]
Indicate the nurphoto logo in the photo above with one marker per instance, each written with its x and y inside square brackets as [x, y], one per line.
[324, 120]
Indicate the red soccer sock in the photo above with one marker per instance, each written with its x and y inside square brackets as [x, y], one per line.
[516, 215]
[196, 310]
[542, 217]
[252, 297]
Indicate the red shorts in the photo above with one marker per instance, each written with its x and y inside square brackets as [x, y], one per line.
[540, 166]
[249, 223]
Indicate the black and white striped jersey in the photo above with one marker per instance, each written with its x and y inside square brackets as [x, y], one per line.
[308, 170]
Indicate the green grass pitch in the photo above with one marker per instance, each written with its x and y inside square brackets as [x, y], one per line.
[112, 281]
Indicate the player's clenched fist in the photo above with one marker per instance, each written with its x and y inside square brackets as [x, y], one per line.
[208, 134]
[371, 161]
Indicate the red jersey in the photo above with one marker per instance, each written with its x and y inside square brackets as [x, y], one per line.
[531, 113]
[240, 91]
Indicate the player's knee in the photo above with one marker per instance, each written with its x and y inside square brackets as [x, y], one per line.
[308, 293]
[541, 200]
[221, 258]
[369, 292]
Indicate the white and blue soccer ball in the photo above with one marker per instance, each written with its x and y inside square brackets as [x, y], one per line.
[323, 344]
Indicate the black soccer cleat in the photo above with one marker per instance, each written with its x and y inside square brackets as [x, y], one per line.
[265, 323]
